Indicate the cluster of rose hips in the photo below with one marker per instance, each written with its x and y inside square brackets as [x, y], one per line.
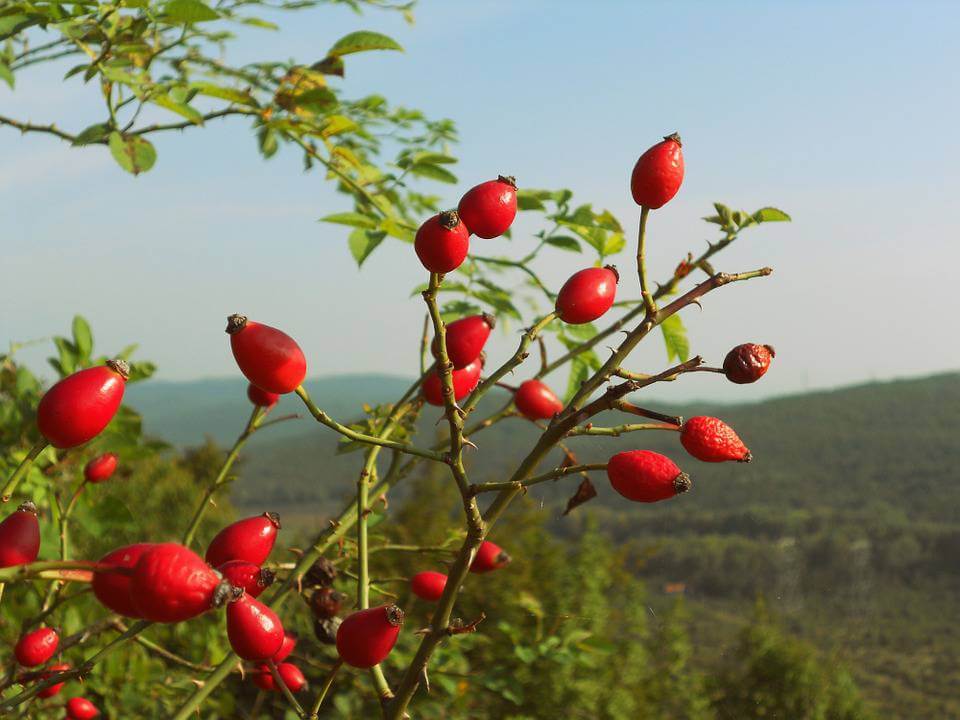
[169, 583]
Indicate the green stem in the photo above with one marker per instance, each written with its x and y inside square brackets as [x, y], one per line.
[11, 485]
[327, 684]
[554, 474]
[618, 430]
[297, 707]
[642, 262]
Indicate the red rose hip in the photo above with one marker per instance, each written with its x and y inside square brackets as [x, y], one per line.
[428, 585]
[536, 401]
[658, 174]
[269, 358]
[286, 647]
[366, 637]
[101, 468]
[36, 647]
[747, 363]
[442, 242]
[288, 672]
[466, 338]
[80, 406]
[464, 381]
[250, 540]
[712, 440]
[646, 476]
[171, 583]
[261, 398]
[254, 630]
[79, 708]
[489, 557]
[489, 208]
[247, 575]
[20, 536]
[587, 295]
[112, 589]
[56, 687]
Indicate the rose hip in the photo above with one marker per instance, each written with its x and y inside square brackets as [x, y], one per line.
[101, 468]
[490, 556]
[489, 208]
[536, 401]
[658, 174]
[80, 406]
[646, 476]
[269, 358]
[442, 242]
[366, 637]
[20, 536]
[587, 295]
[250, 540]
[747, 363]
[466, 338]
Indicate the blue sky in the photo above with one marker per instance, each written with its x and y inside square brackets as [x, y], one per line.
[843, 114]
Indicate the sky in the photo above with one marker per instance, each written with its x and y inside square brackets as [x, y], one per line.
[841, 113]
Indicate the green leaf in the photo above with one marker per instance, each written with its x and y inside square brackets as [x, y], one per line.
[395, 229]
[353, 219]
[92, 134]
[189, 11]
[82, 337]
[675, 338]
[526, 201]
[6, 74]
[770, 214]
[182, 109]
[224, 93]
[329, 66]
[434, 172]
[364, 242]
[362, 41]
[612, 244]
[12, 24]
[267, 140]
[579, 372]
[132, 153]
[336, 124]
[564, 242]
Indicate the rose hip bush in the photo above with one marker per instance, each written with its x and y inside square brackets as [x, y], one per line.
[158, 600]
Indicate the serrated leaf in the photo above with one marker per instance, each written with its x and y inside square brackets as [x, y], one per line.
[564, 242]
[353, 219]
[132, 153]
[189, 11]
[363, 41]
[93, 134]
[770, 214]
[364, 242]
[675, 338]
[82, 337]
[6, 74]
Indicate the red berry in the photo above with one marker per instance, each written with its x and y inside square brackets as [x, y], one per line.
[489, 557]
[171, 583]
[489, 208]
[261, 398]
[646, 476]
[113, 588]
[250, 539]
[56, 687]
[428, 585]
[658, 174]
[464, 381]
[35, 648]
[466, 338]
[248, 576]
[289, 643]
[80, 406]
[747, 363]
[536, 401]
[100, 468]
[20, 536]
[268, 357]
[587, 295]
[442, 242]
[712, 440]
[254, 630]
[79, 708]
[366, 637]
[288, 672]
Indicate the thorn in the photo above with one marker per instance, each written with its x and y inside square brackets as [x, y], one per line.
[697, 303]
[468, 441]
[426, 679]
[423, 631]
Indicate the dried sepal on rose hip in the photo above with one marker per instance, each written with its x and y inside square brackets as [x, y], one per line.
[536, 401]
[80, 406]
[101, 468]
[488, 209]
[489, 557]
[253, 629]
[464, 381]
[428, 585]
[646, 476]
[587, 295]
[747, 363]
[442, 242]
[712, 440]
[36, 647]
[112, 588]
[20, 536]
[250, 540]
[658, 174]
[465, 339]
[366, 637]
[249, 576]
[171, 583]
[268, 357]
